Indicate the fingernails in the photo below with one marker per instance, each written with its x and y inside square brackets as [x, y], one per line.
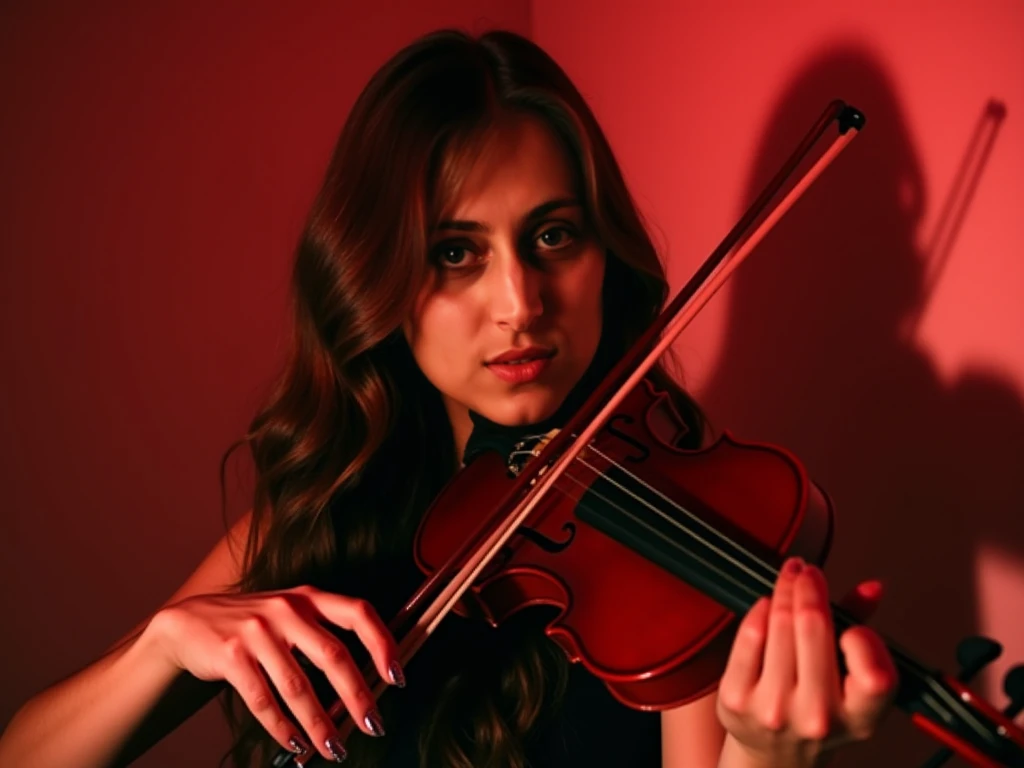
[373, 723]
[336, 749]
[299, 749]
[396, 674]
[872, 590]
[793, 566]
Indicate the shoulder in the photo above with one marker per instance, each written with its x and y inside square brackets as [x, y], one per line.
[221, 568]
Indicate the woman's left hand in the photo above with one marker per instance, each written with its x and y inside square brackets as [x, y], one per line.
[781, 698]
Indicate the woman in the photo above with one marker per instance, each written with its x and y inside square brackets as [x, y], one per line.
[472, 266]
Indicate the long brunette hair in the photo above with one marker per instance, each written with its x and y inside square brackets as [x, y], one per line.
[351, 409]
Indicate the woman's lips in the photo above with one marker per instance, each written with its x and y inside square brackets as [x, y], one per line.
[521, 371]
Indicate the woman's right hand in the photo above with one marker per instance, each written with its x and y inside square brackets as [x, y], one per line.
[246, 640]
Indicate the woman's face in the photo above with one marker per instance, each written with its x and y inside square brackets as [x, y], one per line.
[511, 315]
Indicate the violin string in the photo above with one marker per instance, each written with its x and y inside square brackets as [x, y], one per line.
[843, 616]
[766, 582]
[588, 488]
[925, 676]
[904, 660]
[907, 661]
[942, 693]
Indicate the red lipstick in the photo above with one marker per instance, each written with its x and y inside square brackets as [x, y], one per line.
[522, 365]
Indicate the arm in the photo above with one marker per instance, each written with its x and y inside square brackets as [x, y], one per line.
[118, 707]
[127, 700]
[692, 736]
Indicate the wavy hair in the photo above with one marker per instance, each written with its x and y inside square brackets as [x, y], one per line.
[337, 425]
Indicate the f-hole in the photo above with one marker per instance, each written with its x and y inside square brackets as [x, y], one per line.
[644, 451]
[549, 545]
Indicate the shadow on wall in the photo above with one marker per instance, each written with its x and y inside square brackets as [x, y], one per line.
[816, 358]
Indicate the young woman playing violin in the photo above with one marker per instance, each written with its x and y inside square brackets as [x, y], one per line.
[473, 262]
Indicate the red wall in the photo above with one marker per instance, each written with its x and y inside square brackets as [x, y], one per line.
[157, 165]
[896, 380]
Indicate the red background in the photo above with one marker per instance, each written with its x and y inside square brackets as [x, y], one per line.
[157, 164]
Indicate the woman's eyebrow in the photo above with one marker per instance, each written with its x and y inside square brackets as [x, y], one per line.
[541, 210]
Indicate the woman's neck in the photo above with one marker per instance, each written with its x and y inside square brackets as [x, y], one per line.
[462, 426]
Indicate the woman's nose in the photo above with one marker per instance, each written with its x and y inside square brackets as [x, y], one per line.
[516, 293]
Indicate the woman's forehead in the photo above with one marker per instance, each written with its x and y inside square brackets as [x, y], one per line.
[516, 166]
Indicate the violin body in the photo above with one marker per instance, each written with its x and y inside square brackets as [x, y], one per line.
[613, 548]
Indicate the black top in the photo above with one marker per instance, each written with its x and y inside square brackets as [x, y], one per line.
[589, 727]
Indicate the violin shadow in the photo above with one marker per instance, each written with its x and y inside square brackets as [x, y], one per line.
[923, 474]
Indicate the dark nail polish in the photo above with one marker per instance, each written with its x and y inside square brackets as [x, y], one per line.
[299, 749]
[337, 751]
[373, 723]
[396, 674]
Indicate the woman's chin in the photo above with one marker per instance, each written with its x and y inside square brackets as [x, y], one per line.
[522, 411]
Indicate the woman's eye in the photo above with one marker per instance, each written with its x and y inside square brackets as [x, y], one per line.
[555, 238]
[452, 256]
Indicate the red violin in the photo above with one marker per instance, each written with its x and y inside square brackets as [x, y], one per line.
[651, 552]
[634, 523]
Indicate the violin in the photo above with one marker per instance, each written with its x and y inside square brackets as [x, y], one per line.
[651, 552]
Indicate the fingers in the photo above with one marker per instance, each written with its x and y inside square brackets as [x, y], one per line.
[295, 689]
[744, 666]
[293, 622]
[862, 601]
[816, 698]
[331, 656]
[301, 630]
[871, 680]
[244, 675]
[763, 654]
[778, 677]
[812, 623]
[360, 617]
[782, 683]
